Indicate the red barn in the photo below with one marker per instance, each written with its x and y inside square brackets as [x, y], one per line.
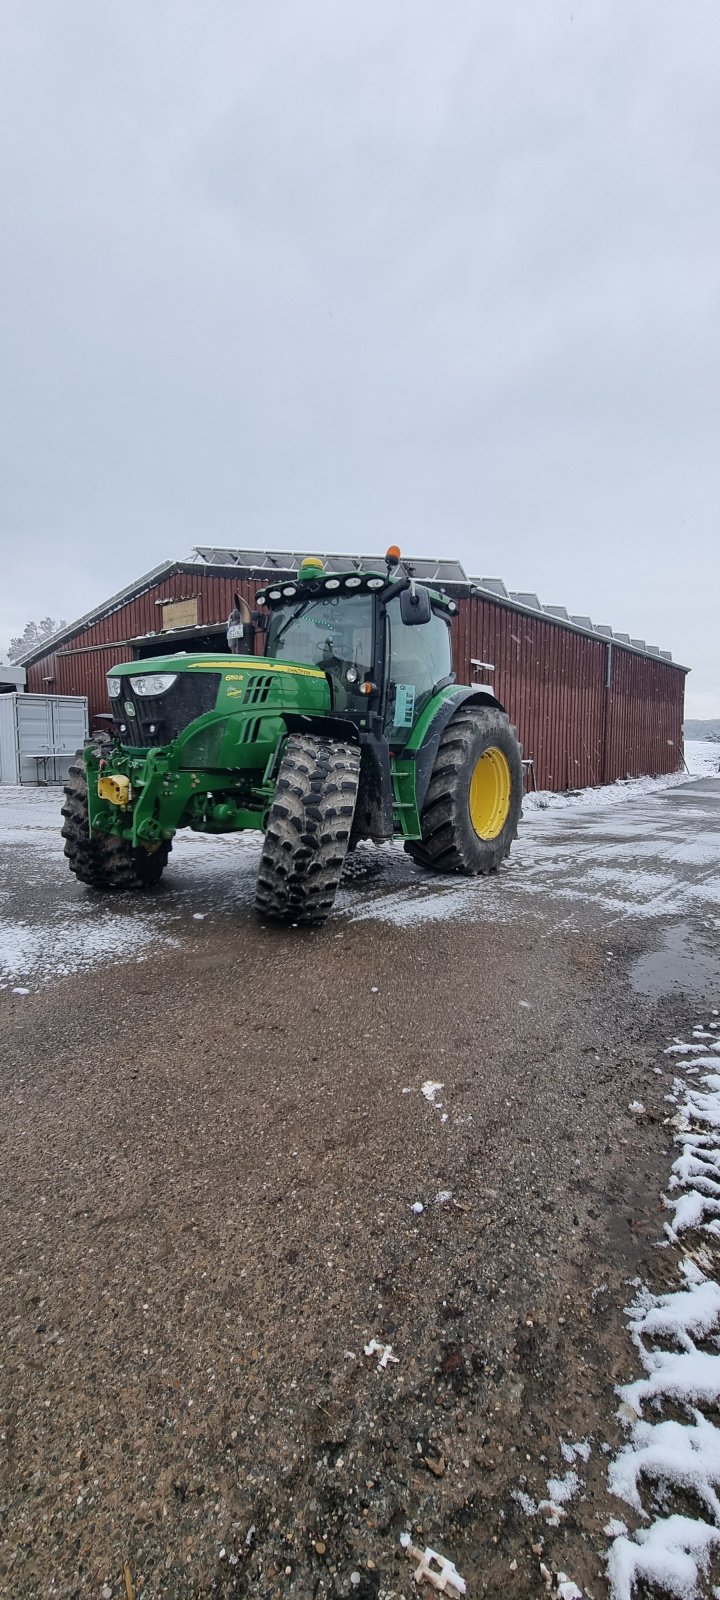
[590, 705]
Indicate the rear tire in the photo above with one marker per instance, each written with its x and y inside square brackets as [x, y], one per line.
[308, 830]
[474, 799]
[103, 862]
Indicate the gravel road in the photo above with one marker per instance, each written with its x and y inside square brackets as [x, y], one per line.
[215, 1141]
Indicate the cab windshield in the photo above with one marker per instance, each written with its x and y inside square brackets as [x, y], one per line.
[333, 632]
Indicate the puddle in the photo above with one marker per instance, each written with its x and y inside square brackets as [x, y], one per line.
[678, 967]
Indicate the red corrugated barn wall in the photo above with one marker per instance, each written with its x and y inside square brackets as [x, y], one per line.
[552, 678]
[554, 682]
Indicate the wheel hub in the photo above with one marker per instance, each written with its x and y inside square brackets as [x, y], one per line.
[490, 791]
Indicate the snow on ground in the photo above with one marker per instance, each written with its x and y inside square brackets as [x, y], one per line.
[702, 760]
[560, 1492]
[68, 946]
[591, 848]
[50, 926]
[669, 1469]
[652, 859]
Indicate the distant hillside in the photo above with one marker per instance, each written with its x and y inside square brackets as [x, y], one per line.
[703, 730]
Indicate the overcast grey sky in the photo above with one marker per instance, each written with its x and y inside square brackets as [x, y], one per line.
[330, 273]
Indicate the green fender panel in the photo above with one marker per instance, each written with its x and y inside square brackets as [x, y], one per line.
[426, 735]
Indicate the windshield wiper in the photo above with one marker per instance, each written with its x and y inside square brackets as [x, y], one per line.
[293, 618]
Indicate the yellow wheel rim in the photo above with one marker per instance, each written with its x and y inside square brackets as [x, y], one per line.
[490, 791]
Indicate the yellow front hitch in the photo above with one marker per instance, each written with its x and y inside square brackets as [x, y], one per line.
[115, 787]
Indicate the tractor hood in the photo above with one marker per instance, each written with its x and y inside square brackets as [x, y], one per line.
[225, 663]
[157, 699]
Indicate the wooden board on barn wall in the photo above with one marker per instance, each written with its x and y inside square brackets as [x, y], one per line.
[181, 613]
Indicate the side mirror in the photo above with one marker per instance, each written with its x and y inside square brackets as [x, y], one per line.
[415, 606]
[240, 630]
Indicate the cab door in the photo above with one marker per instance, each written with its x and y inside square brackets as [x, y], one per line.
[420, 661]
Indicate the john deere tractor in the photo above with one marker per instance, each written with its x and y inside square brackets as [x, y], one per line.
[349, 726]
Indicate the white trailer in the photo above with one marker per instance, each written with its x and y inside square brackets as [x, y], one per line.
[39, 735]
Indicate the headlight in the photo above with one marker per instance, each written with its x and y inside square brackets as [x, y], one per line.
[155, 683]
[114, 687]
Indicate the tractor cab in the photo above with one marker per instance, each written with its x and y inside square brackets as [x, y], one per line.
[383, 641]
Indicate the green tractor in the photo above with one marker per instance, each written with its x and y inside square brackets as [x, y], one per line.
[349, 726]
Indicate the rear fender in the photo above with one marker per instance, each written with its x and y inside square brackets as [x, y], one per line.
[431, 733]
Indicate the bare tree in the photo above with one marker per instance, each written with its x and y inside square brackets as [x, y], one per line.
[33, 634]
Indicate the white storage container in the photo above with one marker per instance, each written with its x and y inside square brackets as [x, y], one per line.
[39, 735]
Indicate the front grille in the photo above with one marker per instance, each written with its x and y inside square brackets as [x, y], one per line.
[160, 718]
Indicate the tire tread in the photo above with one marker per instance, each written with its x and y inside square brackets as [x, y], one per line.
[448, 842]
[308, 830]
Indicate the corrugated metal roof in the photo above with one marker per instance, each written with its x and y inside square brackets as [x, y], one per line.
[444, 572]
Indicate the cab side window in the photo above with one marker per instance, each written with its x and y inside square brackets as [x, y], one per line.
[419, 658]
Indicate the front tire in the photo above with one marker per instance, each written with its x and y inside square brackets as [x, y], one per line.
[103, 862]
[308, 830]
[473, 803]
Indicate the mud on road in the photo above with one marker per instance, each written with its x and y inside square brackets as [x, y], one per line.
[211, 1164]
